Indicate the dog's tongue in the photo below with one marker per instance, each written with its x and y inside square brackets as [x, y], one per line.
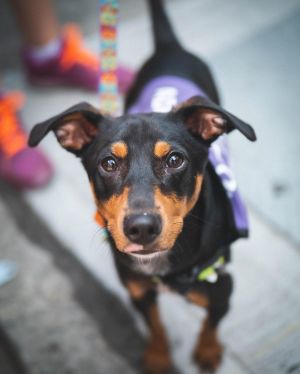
[133, 248]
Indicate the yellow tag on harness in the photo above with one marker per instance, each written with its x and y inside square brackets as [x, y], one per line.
[210, 274]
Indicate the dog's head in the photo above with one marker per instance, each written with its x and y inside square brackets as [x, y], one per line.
[145, 170]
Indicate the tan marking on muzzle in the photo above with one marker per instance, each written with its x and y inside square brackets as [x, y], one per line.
[161, 149]
[173, 209]
[99, 219]
[112, 211]
[119, 149]
[97, 216]
[190, 203]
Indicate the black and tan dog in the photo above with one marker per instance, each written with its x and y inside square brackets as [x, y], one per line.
[169, 218]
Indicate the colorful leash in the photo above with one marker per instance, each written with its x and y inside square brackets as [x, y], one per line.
[108, 79]
[108, 82]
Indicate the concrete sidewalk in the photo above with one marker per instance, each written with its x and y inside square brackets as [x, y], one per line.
[262, 332]
[49, 329]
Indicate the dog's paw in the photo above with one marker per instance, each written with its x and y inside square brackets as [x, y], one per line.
[209, 356]
[157, 360]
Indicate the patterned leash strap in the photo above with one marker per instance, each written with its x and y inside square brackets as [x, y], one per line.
[108, 82]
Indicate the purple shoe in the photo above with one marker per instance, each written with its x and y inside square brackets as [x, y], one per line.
[73, 66]
[20, 165]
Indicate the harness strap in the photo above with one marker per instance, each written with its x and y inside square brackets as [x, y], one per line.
[207, 272]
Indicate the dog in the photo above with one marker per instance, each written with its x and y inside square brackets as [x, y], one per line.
[163, 189]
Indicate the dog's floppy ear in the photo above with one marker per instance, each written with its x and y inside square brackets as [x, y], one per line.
[74, 128]
[209, 120]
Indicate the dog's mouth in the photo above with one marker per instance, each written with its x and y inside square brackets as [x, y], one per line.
[139, 251]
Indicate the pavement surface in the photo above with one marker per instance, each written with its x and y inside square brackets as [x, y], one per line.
[253, 47]
[41, 316]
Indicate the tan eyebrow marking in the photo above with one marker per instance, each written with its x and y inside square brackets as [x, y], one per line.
[119, 149]
[161, 149]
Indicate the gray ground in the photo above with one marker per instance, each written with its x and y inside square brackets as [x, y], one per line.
[253, 47]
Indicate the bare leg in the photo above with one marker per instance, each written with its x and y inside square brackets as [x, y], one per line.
[37, 21]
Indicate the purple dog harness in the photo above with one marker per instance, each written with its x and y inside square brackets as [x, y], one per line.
[160, 95]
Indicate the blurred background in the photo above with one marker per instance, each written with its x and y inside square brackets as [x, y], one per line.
[65, 311]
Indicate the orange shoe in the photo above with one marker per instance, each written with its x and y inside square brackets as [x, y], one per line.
[74, 65]
[19, 165]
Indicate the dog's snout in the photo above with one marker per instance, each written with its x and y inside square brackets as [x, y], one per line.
[142, 228]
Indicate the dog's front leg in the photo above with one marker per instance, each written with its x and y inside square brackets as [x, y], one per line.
[208, 352]
[157, 357]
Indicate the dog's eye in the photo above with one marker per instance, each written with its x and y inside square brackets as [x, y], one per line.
[175, 160]
[109, 164]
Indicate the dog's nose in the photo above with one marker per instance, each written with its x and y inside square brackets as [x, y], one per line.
[142, 228]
